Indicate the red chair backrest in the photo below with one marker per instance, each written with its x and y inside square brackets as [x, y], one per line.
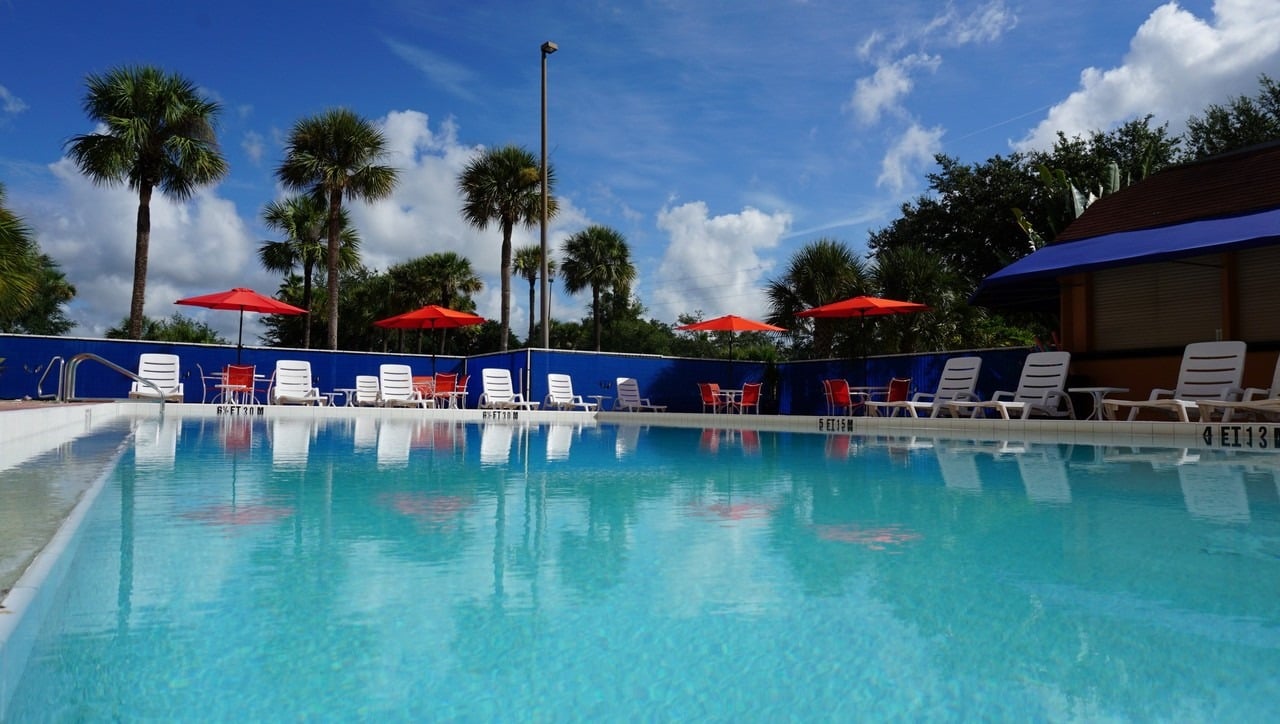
[461, 386]
[898, 389]
[750, 394]
[710, 392]
[423, 384]
[240, 376]
[840, 393]
[445, 382]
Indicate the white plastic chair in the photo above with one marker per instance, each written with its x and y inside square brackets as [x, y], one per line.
[395, 383]
[629, 398]
[958, 381]
[162, 371]
[367, 392]
[1041, 390]
[1210, 371]
[499, 393]
[560, 394]
[291, 384]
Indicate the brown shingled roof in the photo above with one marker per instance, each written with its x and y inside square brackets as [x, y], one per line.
[1224, 185]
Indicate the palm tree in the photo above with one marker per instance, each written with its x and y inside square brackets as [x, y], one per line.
[334, 156]
[596, 257]
[304, 221]
[529, 265]
[19, 268]
[159, 134]
[502, 186]
[820, 272]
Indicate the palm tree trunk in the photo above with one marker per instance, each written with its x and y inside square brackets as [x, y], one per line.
[335, 219]
[595, 312]
[532, 300]
[506, 284]
[306, 302]
[142, 245]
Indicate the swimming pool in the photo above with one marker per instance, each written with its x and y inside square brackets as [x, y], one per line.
[408, 569]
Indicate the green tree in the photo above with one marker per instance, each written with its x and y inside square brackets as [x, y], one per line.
[528, 264]
[177, 328]
[159, 133]
[1242, 122]
[304, 221]
[45, 314]
[19, 262]
[334, 156]
[503, 186]
[820, 272]
[444, 278]
[597, 258]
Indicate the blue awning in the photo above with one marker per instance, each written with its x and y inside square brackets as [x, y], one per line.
[1033, 278]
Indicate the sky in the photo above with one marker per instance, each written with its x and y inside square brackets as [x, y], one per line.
[717, 137]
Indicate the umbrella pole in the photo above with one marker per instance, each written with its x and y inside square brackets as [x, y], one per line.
[240, 336]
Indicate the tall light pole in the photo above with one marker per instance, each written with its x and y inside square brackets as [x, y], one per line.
[547, 49]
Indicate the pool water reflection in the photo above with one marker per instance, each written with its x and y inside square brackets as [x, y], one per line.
[397, 568]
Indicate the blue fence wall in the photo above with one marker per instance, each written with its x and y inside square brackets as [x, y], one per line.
[670, 381]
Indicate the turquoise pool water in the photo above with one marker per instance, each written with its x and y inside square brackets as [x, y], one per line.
[396, 570]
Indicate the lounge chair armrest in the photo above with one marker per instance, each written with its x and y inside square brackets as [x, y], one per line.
[1255, 393]
[1160, 392]
[923, 397]
[1002, 394]
[1231, 393]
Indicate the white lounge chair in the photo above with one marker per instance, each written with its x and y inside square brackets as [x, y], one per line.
[367, 392]
[958, 381]
[1210, 371]
[1255, 402]
[1041, 390]
[499, 393]
[560, 394]
[162, 371]
[629, 398]
[291, 384]
[395, 387]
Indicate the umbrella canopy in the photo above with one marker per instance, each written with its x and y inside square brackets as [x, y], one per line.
[863, 306]
[245, 300]
[730, 323]
[431, 316]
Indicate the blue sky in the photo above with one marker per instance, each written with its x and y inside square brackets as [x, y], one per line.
[717, 137]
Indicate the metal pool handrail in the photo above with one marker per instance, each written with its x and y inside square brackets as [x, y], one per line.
[67, 384]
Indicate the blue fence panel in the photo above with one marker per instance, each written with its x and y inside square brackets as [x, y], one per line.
[793, 388]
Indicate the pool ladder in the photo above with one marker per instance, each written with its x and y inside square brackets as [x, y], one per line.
[67, 378]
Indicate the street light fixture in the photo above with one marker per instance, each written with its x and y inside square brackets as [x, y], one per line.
[547, 49]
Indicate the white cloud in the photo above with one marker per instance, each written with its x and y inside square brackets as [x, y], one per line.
[884, 90]
[913, 150]
[713, 264]
[253, 146]
[1177, 64]
[984, 25]
[10, 103]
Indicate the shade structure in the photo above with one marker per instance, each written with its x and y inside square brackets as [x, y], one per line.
[244, 300]
[863, 307]
[730, 323]
[431, 316]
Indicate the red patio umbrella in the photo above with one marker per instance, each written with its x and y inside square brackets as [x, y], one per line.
[432, 317]
[245, 300]
[863, 307]
[730, 323]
